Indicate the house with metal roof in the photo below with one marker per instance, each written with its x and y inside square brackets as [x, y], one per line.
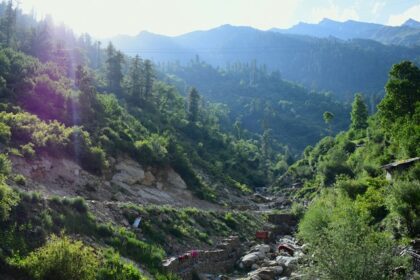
[398, 165]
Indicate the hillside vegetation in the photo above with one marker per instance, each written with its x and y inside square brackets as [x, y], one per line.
[353, 208]
[320, 64]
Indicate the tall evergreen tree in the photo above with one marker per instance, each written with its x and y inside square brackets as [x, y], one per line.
[114, 69]
[8, 23]
[87, 97]
[149, 77]
[135, 83]
[193, 105]
[40, 40]
[359, 113]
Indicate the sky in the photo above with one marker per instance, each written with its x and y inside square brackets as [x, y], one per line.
[106, 18]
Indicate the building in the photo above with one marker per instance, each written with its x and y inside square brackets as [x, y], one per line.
[390, 168]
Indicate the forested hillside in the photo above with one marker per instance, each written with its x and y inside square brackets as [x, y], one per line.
[260, 101]
[320, 64]
[231, 153]
[352, 201]
[66, 98]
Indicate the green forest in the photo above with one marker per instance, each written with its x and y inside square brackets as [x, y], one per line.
[351, 171]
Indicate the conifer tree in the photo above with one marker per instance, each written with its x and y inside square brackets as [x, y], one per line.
[148, 77]
[359, 113]
[114, 69]
[193, 105]
[136, 79]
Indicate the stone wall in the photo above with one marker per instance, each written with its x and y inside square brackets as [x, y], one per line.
[283, 223]
[220, 260]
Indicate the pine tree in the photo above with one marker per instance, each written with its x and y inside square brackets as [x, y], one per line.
[114, 69]
[8, 23]
[87, 97]
[135, 83]
[359, 113]
[149, 77]
[193, 105]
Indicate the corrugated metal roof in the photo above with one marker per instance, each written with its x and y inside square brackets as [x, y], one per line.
[400, 162]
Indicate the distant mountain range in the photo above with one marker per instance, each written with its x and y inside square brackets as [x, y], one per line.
[316, 57]
[408, 34]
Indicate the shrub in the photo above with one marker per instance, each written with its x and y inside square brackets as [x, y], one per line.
[61, 258]
[8, 199]
[114, 268]
[153, 149]
[79, 204]
[343, 245]
[351, 187]
[28, 150]
[298, 210]
[230, 220]
[5, 165]
[405, 201]
[5, 133]
[20, 179]
[94, 160]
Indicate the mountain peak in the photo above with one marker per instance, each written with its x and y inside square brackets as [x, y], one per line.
[412, 23]
[327, 21]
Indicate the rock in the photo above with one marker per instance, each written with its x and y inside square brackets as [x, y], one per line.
[288, 262]
[255, 266]
[248, 260]
[128, 172]
[175, 180]
[149, 178]
[269, 263]
[159, 186]
[262, 248]
[266, 273]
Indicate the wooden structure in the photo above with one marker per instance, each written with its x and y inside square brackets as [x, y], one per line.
[398, 165]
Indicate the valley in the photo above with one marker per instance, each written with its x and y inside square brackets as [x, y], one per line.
[224, 153]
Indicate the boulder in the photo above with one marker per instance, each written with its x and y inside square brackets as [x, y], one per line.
[175, 180]
[128, 172]
[149, 179]
[248, 260]
[262, 248]
[266, 273]
[286, 261]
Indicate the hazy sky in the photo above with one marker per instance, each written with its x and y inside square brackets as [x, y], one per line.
[102, 18]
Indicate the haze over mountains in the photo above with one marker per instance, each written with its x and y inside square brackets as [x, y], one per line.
[408, 34]
[341, 57]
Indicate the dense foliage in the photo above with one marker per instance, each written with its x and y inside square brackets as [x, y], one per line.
[259, 99]
[357, 218]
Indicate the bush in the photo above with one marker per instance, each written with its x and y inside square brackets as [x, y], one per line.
[405, 201]
[5, 166]
[28, 150]
[8, 199]
[351, 187]
[94, 160]
[20, 180]
[153, 149]
[230, 220]
[5, 133]
[342, 244]
[80, 205]
[114, 268]
[61, 258]
[298, 210]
